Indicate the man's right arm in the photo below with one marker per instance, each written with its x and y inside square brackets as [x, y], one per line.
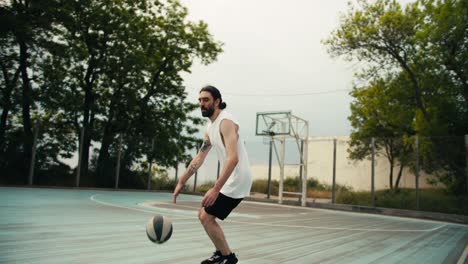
[194, 165]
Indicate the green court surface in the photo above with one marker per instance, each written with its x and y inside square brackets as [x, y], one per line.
[93, 226]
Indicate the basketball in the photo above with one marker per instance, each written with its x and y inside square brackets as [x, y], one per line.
[159, 229]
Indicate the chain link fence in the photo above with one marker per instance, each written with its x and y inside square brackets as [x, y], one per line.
[414, 173]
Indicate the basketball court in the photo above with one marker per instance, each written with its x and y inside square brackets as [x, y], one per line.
[92, 226]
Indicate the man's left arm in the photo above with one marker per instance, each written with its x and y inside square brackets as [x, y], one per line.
[230, 135]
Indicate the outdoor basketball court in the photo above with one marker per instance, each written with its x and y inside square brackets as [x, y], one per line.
[90, 226]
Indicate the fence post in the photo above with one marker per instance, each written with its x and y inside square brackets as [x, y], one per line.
[466, 161]
[33, 155]
[373, 173]
[197, 149]
[334, 172]
[150, 164]
[117, 169]
[301, 166]
[417, 172]
[80, 154]
[305, 159]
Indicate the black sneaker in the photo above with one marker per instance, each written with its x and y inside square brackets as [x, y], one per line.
[213, 259]
[229, 259]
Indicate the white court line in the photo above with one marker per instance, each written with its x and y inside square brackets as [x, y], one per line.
[149, 204]
[463, 256]
[283, 225]
[92, 198]
[146, 204]
[333, 211]
[341, 228]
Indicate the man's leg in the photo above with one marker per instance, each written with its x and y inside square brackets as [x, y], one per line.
[214, 231]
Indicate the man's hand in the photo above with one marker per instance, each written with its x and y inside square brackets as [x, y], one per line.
[210, 197]
[177, 189]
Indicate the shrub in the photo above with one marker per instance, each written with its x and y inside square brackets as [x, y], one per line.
[162, 182]
[430, 200]
[356, 198]
[205, 187]
[261, 186]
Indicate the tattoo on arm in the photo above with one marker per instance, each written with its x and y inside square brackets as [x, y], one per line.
[192, 168]
[196, 162]
[206, 145]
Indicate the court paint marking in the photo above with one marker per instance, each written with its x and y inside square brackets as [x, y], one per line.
[463, 257]
[164, 203]
[344, 229]
[332, 211]
[285, 225]
[149, 204]
[92, 198]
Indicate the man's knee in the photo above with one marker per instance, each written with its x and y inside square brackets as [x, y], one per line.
[204, 217]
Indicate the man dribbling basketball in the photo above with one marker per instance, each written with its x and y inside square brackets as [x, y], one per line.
[235, 179]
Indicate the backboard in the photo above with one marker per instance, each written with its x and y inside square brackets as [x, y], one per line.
[273, 123]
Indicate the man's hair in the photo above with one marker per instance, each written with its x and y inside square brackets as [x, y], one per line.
[215, 93]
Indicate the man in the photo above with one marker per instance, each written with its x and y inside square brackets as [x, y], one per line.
[235, 180]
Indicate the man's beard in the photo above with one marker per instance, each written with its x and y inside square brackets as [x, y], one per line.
[207, 112]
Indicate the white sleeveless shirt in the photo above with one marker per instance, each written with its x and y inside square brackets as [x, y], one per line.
[239, 183]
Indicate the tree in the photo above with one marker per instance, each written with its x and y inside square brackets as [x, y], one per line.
[445, 30]
[443, 33]
[25, 32]
[383, 35]
[154, 104]
[425, 44]
[112, 68]
[378, 111]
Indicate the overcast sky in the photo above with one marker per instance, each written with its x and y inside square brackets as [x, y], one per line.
[274, 60]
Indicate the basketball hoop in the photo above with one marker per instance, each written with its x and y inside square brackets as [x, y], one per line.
[275, 127]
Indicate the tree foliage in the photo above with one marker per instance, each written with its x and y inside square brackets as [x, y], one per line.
[378, 111]
[413, 79]
[109, 69]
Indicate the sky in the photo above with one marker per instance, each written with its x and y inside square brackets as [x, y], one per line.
[274, 60]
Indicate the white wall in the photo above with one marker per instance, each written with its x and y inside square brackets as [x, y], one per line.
[356, 174]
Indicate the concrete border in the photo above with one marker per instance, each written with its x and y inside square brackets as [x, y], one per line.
[452, 218]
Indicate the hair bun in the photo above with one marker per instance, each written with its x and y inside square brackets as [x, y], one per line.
[222, 105]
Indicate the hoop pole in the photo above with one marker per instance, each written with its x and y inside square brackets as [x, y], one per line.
[269, 168]
[283, 152]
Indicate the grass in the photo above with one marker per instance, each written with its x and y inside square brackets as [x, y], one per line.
[315, 189]
[430, 200]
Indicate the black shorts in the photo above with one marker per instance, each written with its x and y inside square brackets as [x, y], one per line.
[223, 206]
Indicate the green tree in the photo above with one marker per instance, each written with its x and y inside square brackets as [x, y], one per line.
[379, 111]
[26, 30]
[382, 34]
[445, 30]
[112, 68]
[160, 113]
[425, 44]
